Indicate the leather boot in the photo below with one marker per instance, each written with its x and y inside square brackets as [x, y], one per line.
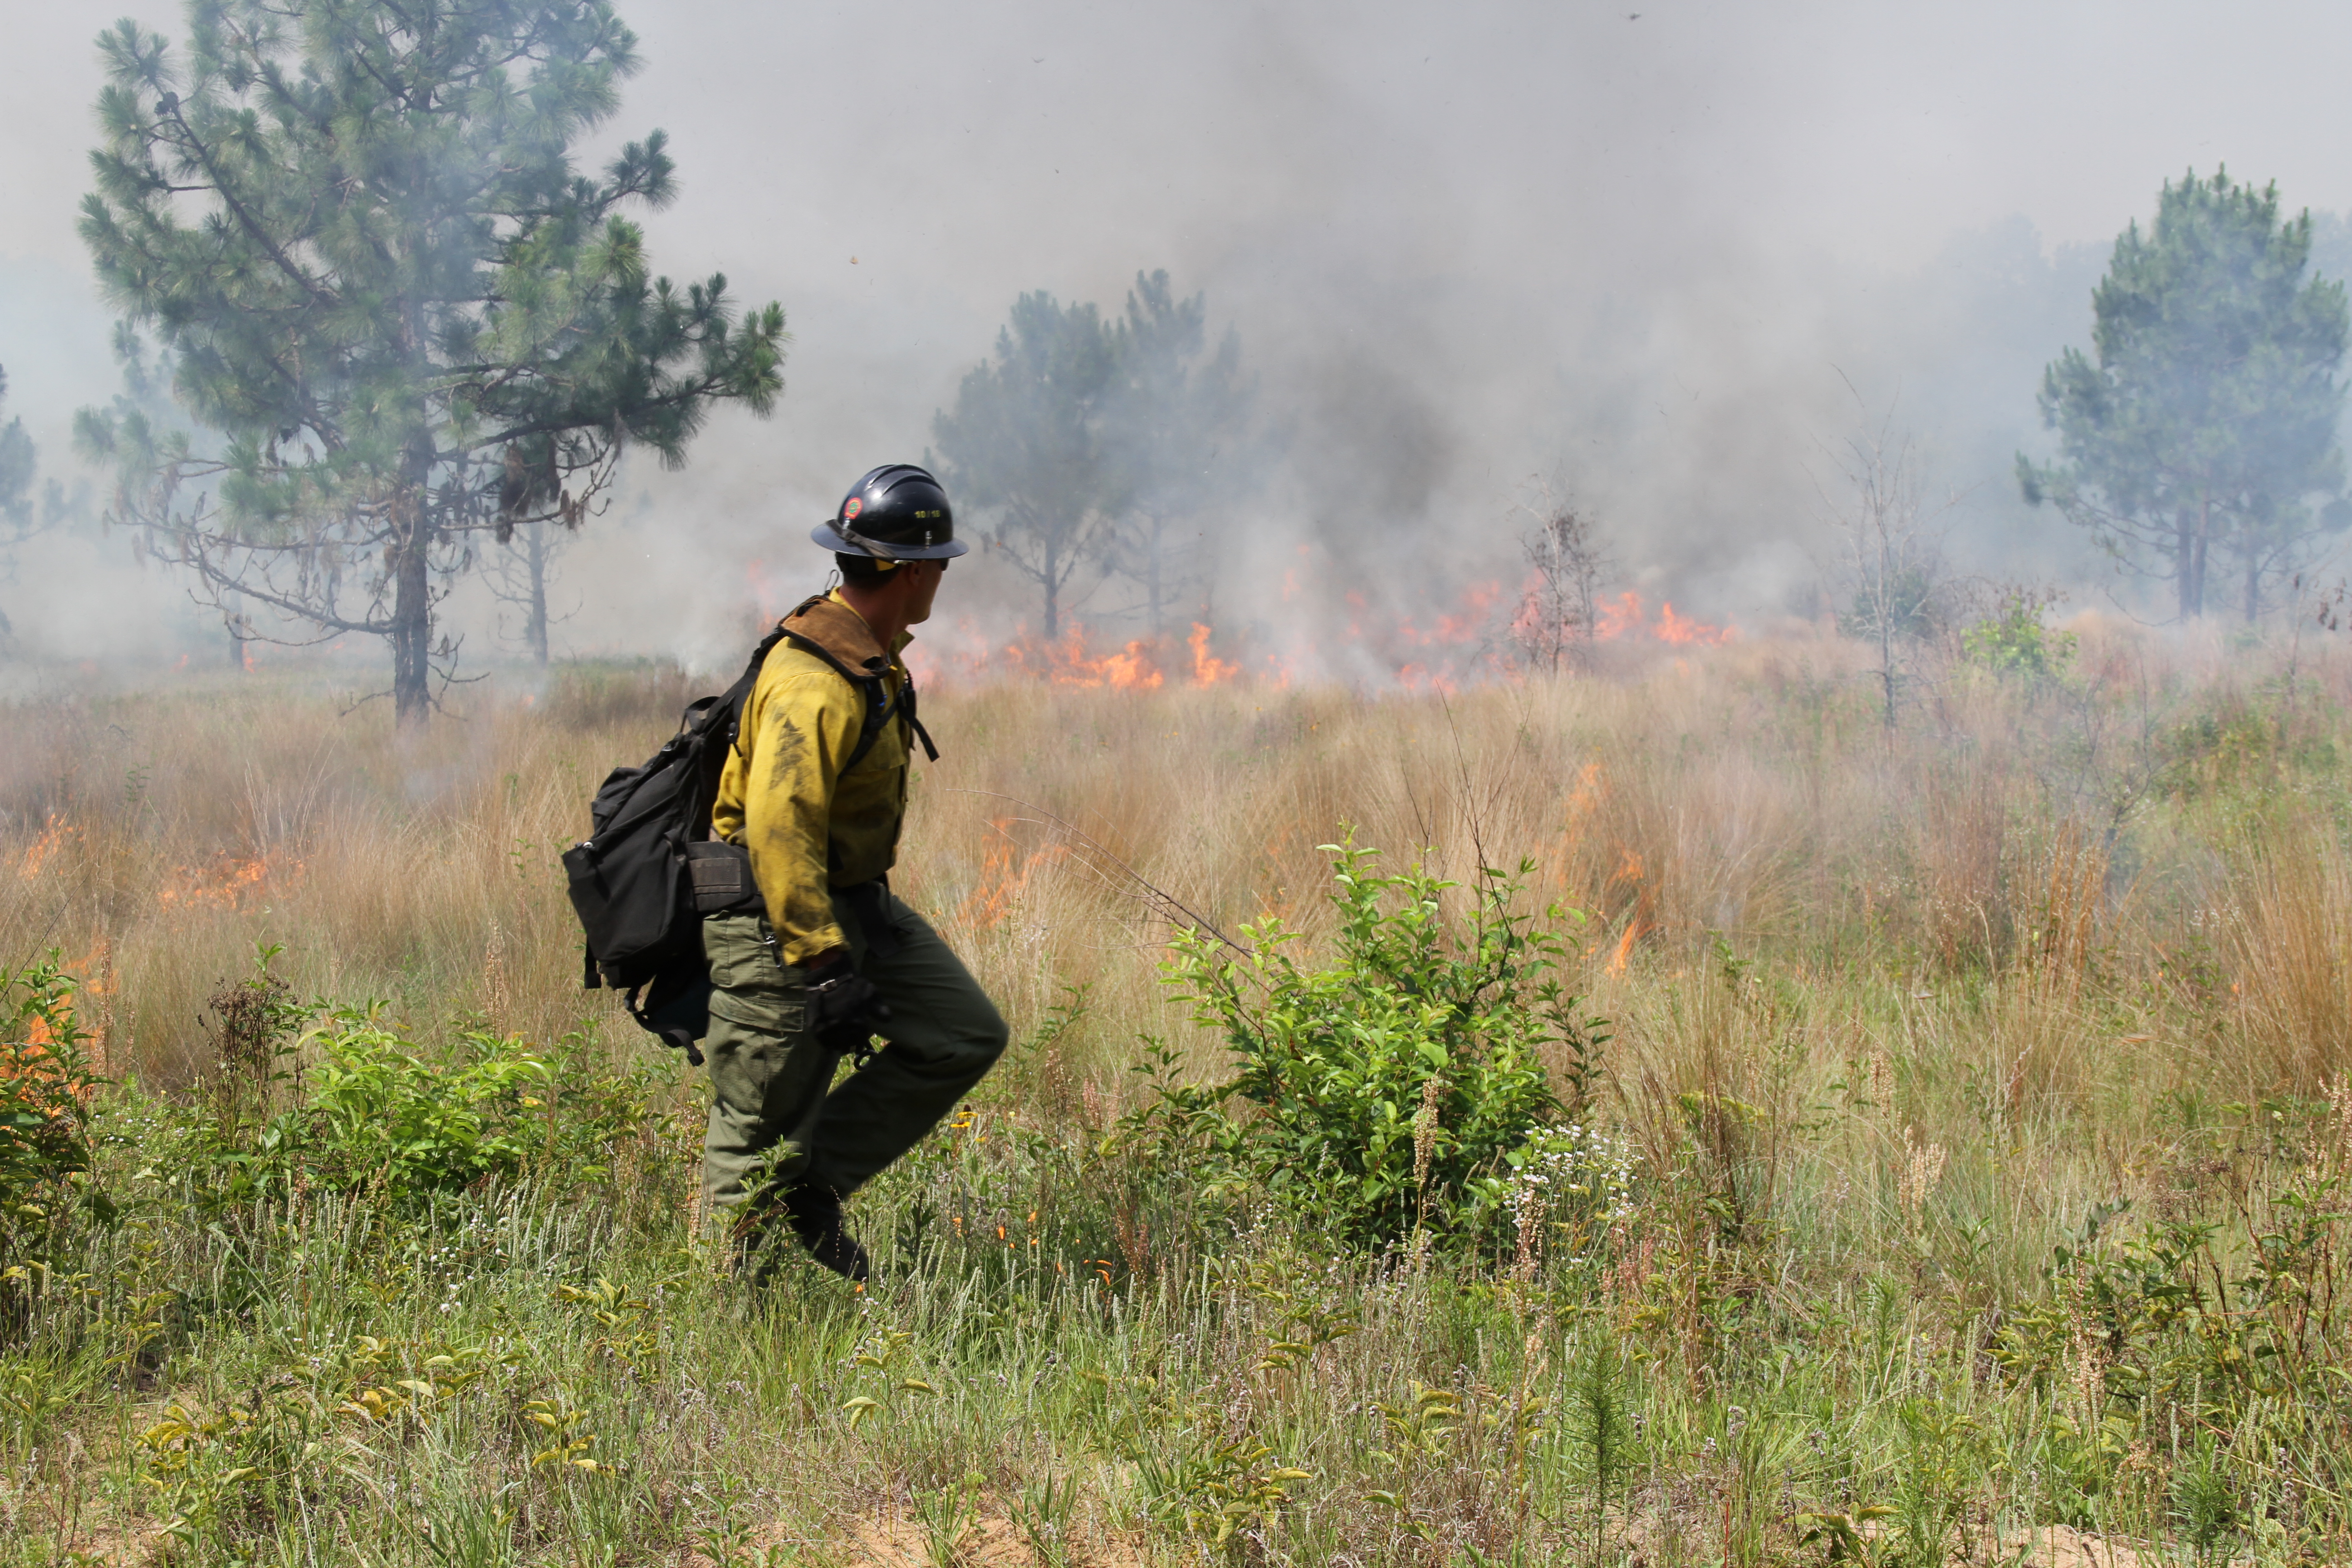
[813, 1211]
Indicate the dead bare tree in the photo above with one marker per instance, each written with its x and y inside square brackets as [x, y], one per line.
[1555, 623]
[520, 574]
[1890, 562]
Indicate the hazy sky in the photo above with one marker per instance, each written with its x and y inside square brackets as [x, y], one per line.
[1462, 245]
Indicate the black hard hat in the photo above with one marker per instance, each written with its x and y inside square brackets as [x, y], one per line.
[897, 512]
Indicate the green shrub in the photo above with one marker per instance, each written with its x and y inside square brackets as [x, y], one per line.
[377, 1110]
[2014, 642]
[45, 1082]
[1406, 1084]
[385, 1111]
[2243, 744]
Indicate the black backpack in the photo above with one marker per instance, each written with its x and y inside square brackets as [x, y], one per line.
[649, 870]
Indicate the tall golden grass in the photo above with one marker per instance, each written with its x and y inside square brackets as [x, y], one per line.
[2118, 915]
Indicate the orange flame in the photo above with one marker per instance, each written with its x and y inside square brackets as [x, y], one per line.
[224, 884]
[1590, 789]
[1622, 619]
[1468, 622]
[1469, 643]
[1142, 663]
[44, 849]
[1001, 882]
[1634, 931]
[763, 594]
[1067, 663]
[1207, 669]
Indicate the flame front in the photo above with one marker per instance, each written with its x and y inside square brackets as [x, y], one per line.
[224, 883]
[1479, 638]
[1142, 663]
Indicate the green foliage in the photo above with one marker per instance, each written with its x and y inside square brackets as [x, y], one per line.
[1601, 1424]
[376, 1110]
[2207, 427]
[2014, 642]
[17, 463]
[385, 1112]
[404, 314]
[46, 1082]
[1406, 1084]
[2243, 743]
[2171, 1326]
[1223, 1490]
[222, 1468]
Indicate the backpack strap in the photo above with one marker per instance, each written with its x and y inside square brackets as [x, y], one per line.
[907, 699]
[742, 690]
[699, 729]
[807, 627]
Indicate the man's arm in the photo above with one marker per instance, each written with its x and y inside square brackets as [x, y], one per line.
[804, 728]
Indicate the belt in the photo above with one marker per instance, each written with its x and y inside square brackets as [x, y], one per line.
[722, 880]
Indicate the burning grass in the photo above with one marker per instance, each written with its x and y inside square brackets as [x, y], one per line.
[1981, 1092]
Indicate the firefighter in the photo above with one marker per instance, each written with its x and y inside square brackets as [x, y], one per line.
[816, 789]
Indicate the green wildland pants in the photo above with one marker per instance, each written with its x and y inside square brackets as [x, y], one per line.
[770, 1111]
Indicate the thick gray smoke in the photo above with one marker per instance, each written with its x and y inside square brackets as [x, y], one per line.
[1661, 254]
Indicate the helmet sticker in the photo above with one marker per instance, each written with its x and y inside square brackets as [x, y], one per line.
[852, 507]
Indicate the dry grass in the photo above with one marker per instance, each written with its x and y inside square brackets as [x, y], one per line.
[1893, 1016]
[1749, 794]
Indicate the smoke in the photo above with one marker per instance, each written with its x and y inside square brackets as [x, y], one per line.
[1661, 254]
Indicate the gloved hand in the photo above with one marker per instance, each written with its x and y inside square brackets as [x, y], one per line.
[842, 1001]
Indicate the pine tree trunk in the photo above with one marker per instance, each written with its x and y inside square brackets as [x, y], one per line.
[2196, 554]
[1052, 581]
[411, 613]
[2253, 587]
[536, 632]
[1151, 577]
[1885, 645]
[2184, 556]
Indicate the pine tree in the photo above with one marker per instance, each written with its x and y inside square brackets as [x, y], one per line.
[399, 313]
[2207, 427]
[1026, 438]
[1180, 433]
[19, 463]
[20, 517]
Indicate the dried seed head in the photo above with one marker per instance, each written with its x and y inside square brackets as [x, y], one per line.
[1424, 1130]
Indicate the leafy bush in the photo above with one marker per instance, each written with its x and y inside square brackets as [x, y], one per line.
[2014, 642]
[1403, 1085]
[378, 1111]
[386, 1111]
[2243, 743]
[46, 1079]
